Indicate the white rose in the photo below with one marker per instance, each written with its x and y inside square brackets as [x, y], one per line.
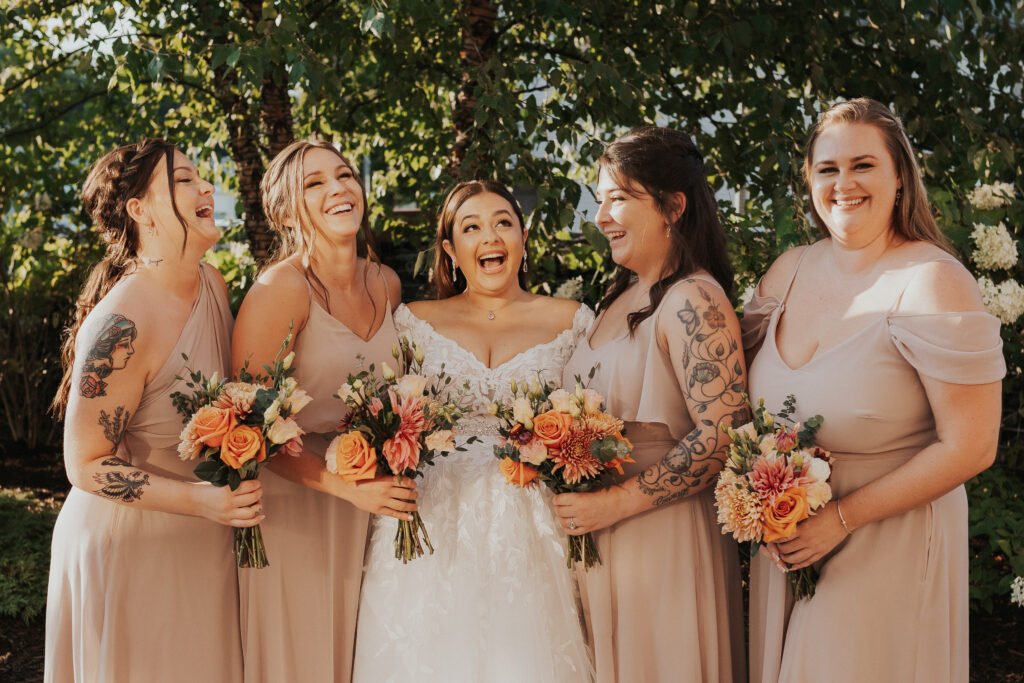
[411, 385]
[522, 411]
[332, 455]
[534, 452]
[818, 470]
[592, 401]
[560, 400]
[443, 440]
[284, 430]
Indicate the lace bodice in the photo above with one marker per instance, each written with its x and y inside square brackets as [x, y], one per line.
[489, 385]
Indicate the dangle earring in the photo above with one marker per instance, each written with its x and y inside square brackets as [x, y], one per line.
[455, 271]
[526, 256]
[899, 194]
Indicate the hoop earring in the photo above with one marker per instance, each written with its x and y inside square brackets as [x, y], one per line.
[526, 256]
[455, 271]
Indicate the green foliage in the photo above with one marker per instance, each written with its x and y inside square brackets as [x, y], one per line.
[26, 524]
[996, 528]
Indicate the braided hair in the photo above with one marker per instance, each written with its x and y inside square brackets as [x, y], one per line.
[661, 162]
[118, 176]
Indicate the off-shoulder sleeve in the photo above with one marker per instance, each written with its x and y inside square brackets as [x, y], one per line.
[582, 321]
[959, 348]
[756, 316]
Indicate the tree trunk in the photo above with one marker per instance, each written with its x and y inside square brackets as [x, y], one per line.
[479, 42]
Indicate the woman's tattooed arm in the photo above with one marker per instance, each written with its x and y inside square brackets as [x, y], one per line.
[708, 361]
[123, 482]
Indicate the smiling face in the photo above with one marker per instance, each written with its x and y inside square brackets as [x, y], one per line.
[853, 183]
[193, 198]
[332, 193]
[632, 222]
[487, 243]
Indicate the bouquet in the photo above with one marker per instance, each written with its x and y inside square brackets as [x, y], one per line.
[234, 427]
[396, 425]
[564, 440]
[774, 478]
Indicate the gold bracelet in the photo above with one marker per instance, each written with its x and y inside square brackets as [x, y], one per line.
[842, 520]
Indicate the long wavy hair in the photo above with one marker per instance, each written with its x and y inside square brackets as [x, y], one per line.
[120, 175]
[284, 205]
[444, 282]
[912, 216]
[662, 162]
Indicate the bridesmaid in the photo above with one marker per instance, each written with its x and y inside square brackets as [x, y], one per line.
[664, 605]
[882, 331]
[299, 614]
[142, 580]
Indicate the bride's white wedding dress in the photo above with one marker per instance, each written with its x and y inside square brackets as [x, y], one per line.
[495, 602]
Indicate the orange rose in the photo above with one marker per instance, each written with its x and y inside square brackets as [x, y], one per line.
[552, 428]
[351, 457]
[210, 425]
[517, 473]
[780, 519]
[242, 444]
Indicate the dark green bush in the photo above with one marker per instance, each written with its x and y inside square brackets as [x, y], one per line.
[26, 525]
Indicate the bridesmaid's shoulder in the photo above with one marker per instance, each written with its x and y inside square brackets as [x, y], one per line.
[561, 312]
[696, 294]
[280, 288]
[216, 278]
[774, 282]
[938, 282]
[391, 281]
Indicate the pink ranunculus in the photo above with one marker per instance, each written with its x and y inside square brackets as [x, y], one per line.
[771, 476]
[785, 440]
[376, 405]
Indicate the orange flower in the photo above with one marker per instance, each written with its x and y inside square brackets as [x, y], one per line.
[242, 444]
[210, 425]
[350, 456]
[517, 473]
[781, 517]
[552, 428]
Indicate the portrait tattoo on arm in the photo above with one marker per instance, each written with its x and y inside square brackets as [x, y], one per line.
[110, 351]
[714, 379]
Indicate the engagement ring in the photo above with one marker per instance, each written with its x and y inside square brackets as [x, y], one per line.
[572, 523]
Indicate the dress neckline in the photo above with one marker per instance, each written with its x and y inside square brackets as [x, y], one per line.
[346, 328]
[818, 353]
[476, 359]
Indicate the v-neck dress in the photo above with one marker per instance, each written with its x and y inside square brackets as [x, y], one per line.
[299, 614]
[144, 595]
[665, 602]
[891, 602]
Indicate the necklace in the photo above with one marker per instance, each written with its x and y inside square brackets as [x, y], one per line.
[491, 312]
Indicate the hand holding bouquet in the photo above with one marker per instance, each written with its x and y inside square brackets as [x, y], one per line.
[564, 440]
[774, 478]
[396, 425]
[234, 427]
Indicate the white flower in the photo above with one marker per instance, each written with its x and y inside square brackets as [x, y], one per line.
[284, 430]
[818, 470]
[592, 401]
[297, 401]
[288, 360]
[570, 289]
[1005, 300]
[289, 385]
[748, 430]
[273, 412]
[443, 440]
[411, 385]
[386, 372]
[348, 393]
[991, 196]
[560, 400]
[332, 455]
[522, 411]
[818, 494]
[534, 452]
[1017, 591]
[994, 247]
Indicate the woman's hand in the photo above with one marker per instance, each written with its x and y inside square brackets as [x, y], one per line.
[815, 538]
[388, 496]
[579, 513]
[238, 508]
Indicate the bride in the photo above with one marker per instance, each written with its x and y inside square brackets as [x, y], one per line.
[495, 602]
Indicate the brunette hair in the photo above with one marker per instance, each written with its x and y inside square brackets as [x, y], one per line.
[284, 205]
[912, 217]
[444, 284]
[663, 161]
[120, 175]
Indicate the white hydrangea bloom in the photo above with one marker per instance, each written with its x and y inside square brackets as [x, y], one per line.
[991, 196]
[1005, 300]
[1017, 591]
[994, 246]
[570, 289]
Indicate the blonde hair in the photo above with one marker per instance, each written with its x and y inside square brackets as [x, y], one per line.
[912, 217]
[284, 205]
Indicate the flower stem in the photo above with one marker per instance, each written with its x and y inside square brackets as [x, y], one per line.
[583, 549]
[407, 539]
[249, 550]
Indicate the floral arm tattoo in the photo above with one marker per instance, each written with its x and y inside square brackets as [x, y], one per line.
[118, 484]
[110, 351]
[714, 380]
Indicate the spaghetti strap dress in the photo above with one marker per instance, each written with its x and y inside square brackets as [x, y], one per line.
[891, 603]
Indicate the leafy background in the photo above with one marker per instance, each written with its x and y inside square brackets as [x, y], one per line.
[425, 92]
